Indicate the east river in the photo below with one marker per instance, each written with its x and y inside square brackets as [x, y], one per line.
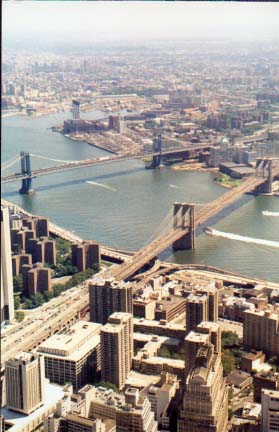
[122, 204]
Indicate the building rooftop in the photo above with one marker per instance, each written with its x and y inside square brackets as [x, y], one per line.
[81, 337]
[140, 380]
[155, 323]
[197, 337]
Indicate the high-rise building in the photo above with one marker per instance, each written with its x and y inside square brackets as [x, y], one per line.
[38, 279]
[261, 331]
[86, 255]
[7, 298]
[117, 349]
[196, 311]
[214, 331]
[39, 224]
[265, 380]
[161, 394]
[193, 342]
[205, 399]
[25, 382]
[135, 414]
[207, 331]
[201, 305]
[74, 355]
[212, 295]
[18, 261]
[107, 297]
[75, 108]
[127, 320]
[270, 411]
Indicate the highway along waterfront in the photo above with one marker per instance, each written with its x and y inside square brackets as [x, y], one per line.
[122, 204]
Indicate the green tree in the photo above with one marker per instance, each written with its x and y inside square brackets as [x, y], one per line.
[108, 385]
[20, 316]
[229, 339]
[62, 246]
[16, 302]
[48, 295]
[57, 290]
[18, 284]
[28, 304]
[164, 352]
[37, 299]
[229, 363]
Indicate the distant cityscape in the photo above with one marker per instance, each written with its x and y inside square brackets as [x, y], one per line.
[97, 338]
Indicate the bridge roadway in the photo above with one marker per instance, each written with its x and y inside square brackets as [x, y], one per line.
[146, 254]
[99, 161]
[43, 322]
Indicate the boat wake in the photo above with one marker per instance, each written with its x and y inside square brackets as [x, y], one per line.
[268, 213]
[101, 185]
[231, 236]
[174, 186]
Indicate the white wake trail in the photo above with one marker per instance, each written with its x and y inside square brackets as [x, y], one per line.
[101, 185]
[174, 186]
[268, 213]
[231, 236]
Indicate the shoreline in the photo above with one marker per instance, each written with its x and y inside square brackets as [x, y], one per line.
[87, 142]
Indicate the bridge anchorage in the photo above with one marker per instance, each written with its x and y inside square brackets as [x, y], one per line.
[184, 219]
[26, 183]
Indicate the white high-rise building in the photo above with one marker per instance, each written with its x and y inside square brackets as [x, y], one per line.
[25, 382]
[117, 348]
[7, 296]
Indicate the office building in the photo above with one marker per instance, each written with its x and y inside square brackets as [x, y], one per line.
[7, 298]
[74, 355]
[108, 296]
[25, 382]
[270, 411]
[86, 255]
[261, 331]
[135, 414]
[117, 349]
[205, 399]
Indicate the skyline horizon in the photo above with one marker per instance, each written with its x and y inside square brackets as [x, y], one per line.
[84, 22]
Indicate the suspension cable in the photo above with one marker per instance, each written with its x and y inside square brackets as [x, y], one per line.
[53, 160]
[10, 163]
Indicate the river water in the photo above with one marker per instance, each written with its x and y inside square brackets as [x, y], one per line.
[121, 204]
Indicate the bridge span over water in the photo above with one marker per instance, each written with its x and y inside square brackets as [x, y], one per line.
[25, 174]
[186, 220]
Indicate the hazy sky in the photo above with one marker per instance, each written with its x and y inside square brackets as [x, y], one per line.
[85, 20]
